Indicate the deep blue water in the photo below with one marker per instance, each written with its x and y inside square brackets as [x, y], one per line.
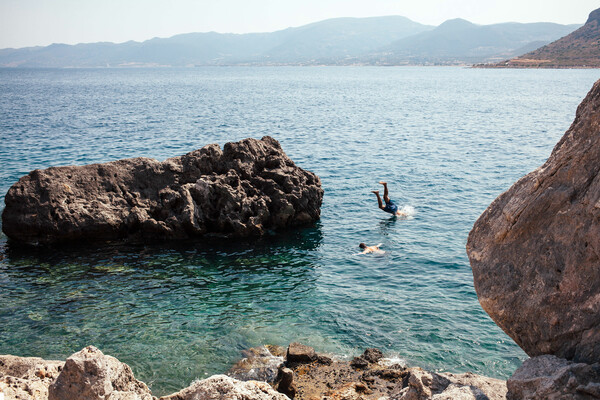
[447, 140]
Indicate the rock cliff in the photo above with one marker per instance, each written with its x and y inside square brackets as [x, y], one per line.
[245, 189]
[535, 251]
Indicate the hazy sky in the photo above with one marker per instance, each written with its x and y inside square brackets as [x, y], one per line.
[42, 22]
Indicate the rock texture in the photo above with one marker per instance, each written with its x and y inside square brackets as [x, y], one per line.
[258, 364]
[245, 189]
[91, 375]
[550, 377]
[27, 378]
[222, 387]
[535, 251]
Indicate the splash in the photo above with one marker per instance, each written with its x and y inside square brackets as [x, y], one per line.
[408, 212]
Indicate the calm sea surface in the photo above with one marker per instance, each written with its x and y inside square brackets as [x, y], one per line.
[447, 140]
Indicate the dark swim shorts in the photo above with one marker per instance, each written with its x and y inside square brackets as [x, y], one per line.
[390, 207]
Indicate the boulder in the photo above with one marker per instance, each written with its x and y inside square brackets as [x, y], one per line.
[535, 251]
[27, 378]
[550, 377]
[470, 384]
[91, 375]
[285, 382]
[300, 354]
[219, 387]
[245, 189]
[258, 364]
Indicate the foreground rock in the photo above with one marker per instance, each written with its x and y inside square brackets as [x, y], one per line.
[245, 189]
[309, 375]
[219, 387]
[27, 378]
[535, 252]
[550, 377]
[91, 375]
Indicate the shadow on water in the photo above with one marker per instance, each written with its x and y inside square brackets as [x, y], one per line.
[276, 245]
[189, 307]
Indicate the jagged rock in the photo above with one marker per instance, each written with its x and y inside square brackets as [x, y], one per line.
[258, 364]
[372, 355]
[285, 382]
[222, 387]
[550, 377]
[458, 392]
[359, 362]
[300, 354]
[245, 189]
[369, 356]
[89, 374]
[420, 385]
[535, 251]
[27, 378]
[477, 385]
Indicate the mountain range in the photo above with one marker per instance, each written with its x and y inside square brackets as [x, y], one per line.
[579, 49]
[391, 40]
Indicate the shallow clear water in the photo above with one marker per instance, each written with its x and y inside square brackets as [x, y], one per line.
[448, 141]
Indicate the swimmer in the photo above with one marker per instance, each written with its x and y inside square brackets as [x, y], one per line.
[370, 249]
[390, 205]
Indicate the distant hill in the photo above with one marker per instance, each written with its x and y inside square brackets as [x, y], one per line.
[463, 41]
[392, 40]
[579, 49]
[325, 40]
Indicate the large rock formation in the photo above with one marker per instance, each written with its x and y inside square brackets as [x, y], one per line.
[245, 189]
[535, 251]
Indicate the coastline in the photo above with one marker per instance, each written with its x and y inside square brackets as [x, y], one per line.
[265, 372]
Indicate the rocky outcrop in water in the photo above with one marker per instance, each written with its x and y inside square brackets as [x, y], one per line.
[245, 189]
[550, 377]
[535, 251]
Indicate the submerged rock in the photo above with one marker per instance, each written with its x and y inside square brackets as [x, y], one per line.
[550, 377]
[245, 189]
[535, 251]
[89, 374]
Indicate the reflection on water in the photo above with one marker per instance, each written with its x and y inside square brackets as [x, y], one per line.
[185, 304]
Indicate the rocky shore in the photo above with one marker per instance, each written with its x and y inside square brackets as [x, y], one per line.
[245, 189]
[266, 373]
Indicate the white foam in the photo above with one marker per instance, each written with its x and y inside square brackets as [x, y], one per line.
[393, 360]
[408, 211]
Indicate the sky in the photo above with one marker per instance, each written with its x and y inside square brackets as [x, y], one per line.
[25, 23]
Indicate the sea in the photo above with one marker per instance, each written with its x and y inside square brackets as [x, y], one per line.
[447, 140]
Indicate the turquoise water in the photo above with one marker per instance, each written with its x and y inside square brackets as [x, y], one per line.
[447, 140]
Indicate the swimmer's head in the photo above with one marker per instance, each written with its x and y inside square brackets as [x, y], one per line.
[362, 246]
